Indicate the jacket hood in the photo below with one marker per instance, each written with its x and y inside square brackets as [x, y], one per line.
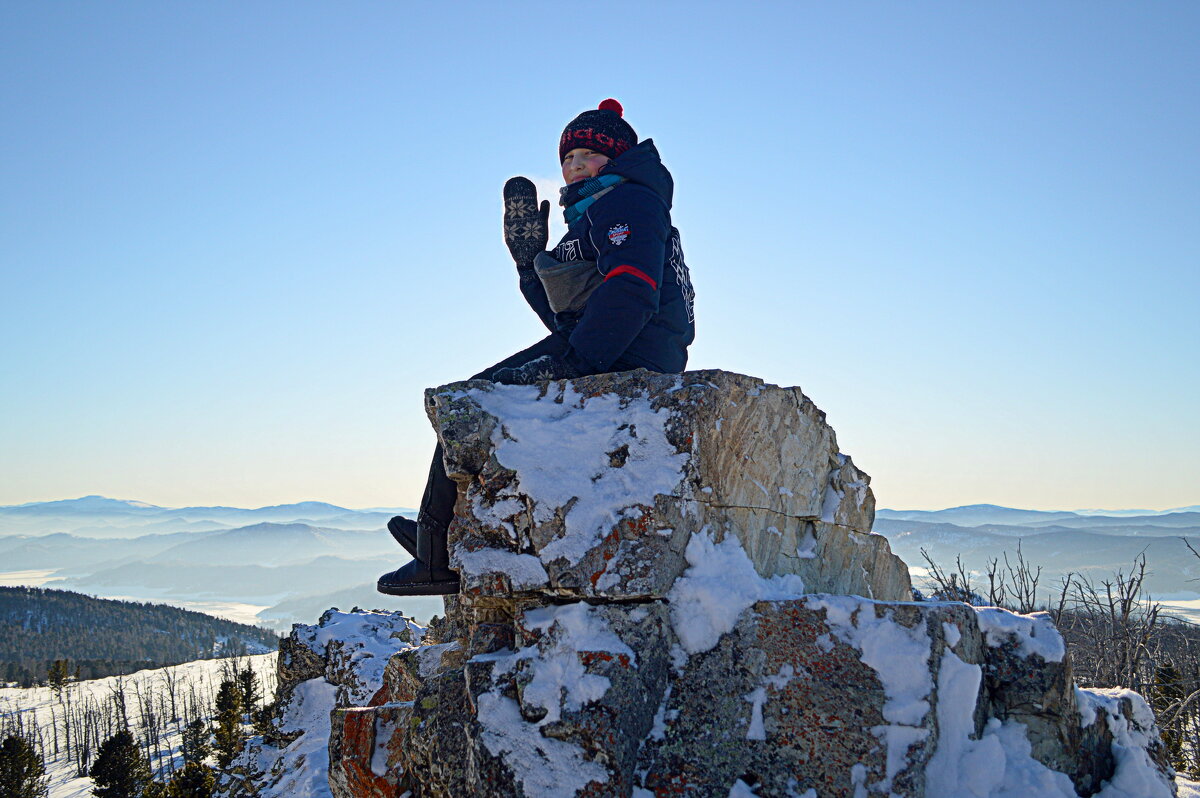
[642, 165]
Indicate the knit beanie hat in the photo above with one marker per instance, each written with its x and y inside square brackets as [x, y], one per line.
[602, 130]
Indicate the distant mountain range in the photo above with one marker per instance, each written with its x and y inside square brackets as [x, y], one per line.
[1060, 543]
[980, 514]
[99, 516]
[292, 561]
[278, 558]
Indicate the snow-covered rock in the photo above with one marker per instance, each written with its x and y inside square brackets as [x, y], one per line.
[663, 580]
[593, 487]
[837, 695]
[338, 662]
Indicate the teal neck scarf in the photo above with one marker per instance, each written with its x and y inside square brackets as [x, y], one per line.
[578, 197]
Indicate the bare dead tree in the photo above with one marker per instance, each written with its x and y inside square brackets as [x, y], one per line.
[954, 585]
[1024, 580]
[170, 680]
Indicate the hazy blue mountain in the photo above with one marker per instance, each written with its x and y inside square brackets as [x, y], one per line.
[87, 505]
[363, 520]
[1189, 509]
[310, 511]
[69, 552]
[1171, 567]
[276, 544]
[263, 555]
[254, 584]
[1118, 526]
[97, 516]
[1060, 543]
[980, 515]
[137, 527]
[975, 515]
[891, 528]
[1166, 521]
[302, 558]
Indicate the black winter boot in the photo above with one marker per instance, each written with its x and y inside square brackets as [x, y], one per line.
[429, 574]
[404, 532]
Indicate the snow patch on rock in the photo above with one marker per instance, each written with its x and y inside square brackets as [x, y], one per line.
[1135, 774]
[559, 445]
[560, 679]
[523, 570]
[718, 586]
[1034, 633]
[546, 768]
[303, 766]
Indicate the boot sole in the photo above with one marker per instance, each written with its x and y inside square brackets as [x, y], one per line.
[442, 587]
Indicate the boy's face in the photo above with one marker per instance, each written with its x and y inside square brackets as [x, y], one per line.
[580, 164]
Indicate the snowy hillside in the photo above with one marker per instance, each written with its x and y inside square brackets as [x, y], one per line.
[156, 704]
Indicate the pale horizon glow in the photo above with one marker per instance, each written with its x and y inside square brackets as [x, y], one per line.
[238, 241]
[1095, 510]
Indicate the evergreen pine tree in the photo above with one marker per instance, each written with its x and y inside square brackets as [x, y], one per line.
[58, 674]
[194, 781]
[120, 769]
[155, 789]
[248, 684]
[263, 720]
[228, 732]
[22, 772]
[1165, 694]
[195, 743]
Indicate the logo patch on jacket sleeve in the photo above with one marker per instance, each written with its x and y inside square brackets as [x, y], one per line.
[618, 233]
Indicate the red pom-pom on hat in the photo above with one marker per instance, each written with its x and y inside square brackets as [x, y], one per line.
[612, 105]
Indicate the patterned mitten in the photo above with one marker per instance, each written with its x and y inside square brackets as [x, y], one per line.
[546, 367]
[526, 226]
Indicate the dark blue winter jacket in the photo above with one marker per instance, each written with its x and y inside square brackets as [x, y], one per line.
[641, 316]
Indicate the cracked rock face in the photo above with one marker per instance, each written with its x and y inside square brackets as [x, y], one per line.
[592, 487]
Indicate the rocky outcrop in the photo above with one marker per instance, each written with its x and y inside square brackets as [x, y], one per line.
[591, 488]
[337, 662]
[670, 588]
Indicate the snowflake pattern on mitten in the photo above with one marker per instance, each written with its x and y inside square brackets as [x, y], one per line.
[526, 225]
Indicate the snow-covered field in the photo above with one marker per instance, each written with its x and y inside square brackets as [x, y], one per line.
[33, 578]
[144, 691]
[1185, 606]
[236, 611]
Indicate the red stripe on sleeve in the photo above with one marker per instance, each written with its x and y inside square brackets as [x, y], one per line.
[636, 272]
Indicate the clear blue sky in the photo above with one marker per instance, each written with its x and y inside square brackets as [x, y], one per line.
[237, 240]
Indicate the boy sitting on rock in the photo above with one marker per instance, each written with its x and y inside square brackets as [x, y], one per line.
[614, 293]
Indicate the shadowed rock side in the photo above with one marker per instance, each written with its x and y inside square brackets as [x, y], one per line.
[663, 595]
